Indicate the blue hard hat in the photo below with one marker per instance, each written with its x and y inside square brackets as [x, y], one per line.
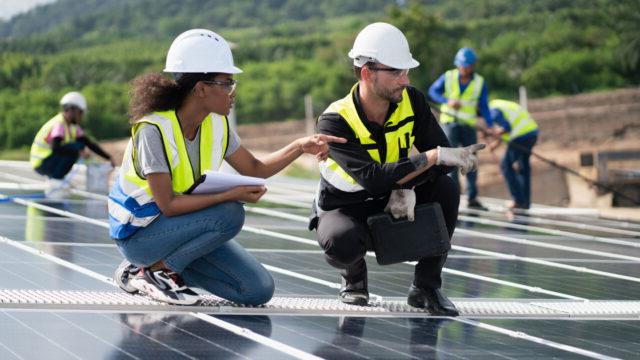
[465, 57]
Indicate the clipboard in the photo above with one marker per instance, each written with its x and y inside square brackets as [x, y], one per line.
[212, 182]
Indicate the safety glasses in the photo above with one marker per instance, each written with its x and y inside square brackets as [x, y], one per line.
[228, 86]
[392, 71]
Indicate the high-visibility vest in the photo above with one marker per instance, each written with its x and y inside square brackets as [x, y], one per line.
[518, 118]
[398, 133]
[40, 149]
[131, 205]
[468, 111]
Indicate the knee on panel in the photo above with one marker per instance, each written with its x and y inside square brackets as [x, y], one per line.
[260, 290]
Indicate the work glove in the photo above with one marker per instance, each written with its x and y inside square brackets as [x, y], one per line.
[402, 203]
[463, 157]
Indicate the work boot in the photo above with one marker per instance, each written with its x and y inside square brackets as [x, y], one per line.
[475, 204]
[431, 299]
[354, 293]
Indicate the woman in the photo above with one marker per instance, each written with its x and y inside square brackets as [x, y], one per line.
[180, 130]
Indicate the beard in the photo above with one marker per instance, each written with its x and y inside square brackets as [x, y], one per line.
[389, 94]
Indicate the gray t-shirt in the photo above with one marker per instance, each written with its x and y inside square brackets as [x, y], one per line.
[151, 157]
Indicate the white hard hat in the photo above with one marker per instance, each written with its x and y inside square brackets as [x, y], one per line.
[74, 98]
[382, 43]
[200, 51]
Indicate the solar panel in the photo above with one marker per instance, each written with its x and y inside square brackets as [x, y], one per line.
[548, 284]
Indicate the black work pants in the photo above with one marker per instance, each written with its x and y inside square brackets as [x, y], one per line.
[57, 166]
[343, 233]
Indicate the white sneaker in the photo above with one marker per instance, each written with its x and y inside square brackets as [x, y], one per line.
[123, 275]
[164, 285]
[57, 189]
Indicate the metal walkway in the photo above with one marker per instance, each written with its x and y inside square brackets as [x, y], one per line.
[474, 308]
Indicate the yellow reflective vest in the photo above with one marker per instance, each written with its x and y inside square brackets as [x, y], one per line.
[398, 137]
[518, 118]
[40, 149]
[130, 203]
[468, 111]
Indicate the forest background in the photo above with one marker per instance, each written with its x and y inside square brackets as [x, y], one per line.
[289, 48]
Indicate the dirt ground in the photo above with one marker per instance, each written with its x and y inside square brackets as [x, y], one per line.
[569, 126]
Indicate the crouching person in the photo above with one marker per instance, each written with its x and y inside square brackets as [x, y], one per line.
[382, 118]
[173, 240]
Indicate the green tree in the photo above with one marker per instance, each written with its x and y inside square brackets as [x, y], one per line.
[429, 41]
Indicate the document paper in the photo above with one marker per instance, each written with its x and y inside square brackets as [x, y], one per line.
[215, 182]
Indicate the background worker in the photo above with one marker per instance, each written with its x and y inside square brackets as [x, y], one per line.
[463, 94]
[382, 118]
[172, 239]
[515, 126]
[61, 141]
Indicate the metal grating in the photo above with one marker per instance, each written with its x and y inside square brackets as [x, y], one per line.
[118, 301]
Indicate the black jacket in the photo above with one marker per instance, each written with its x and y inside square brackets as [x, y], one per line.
[378, 179]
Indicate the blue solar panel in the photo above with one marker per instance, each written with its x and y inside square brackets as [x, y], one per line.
[74, 254]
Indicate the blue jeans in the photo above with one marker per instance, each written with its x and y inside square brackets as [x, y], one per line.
[519, 182]
[463, 135]
[199, 247]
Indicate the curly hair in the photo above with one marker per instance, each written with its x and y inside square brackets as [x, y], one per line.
[155, 92]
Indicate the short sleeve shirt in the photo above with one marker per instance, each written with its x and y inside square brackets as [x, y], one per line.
[150, 150]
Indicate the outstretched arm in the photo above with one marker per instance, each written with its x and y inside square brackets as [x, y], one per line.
[96, 149]
[246, 164]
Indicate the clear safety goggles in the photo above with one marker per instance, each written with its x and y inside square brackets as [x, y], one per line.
[228, 86]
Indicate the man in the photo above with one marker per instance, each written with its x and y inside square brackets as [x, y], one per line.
[462, 94]
[382, 118]
[516, 127]
[60, 142]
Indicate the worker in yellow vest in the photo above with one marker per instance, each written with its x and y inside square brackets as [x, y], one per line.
[463, 94]
[61, 141]
[514, 126]
[383, 118]
[172, 239]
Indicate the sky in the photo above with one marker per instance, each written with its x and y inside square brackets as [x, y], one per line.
[8, 8]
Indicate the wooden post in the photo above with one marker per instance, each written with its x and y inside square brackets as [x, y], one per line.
[310, 124]
[523, 96]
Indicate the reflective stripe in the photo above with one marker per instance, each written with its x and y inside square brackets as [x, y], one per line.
[124, 216]
[398, 132]
[521, 124]
[467, 113]
[468, 118]
[219, 124]
[42, 146]
[131, 203]
[40, 149]
[330, 171]
[468, 102]
[519, 119]
[166, 129]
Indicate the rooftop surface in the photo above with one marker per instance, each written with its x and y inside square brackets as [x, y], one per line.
[552, 283]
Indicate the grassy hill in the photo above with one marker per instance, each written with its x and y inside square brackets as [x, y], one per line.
[289, 48]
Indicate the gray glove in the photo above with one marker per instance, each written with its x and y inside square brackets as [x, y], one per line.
[402, 203]
[463, 157]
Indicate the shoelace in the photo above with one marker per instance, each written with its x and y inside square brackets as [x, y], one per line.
[177, 280]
